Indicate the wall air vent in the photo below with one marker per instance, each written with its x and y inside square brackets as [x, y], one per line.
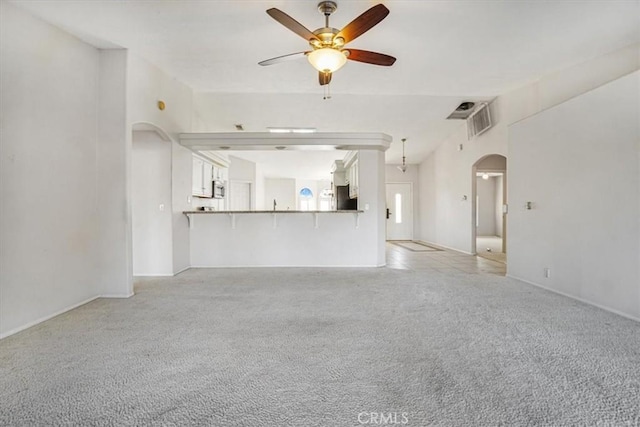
[478, 122]
[463, 111]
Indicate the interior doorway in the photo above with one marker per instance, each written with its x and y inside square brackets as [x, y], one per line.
[151, 205]
[399, 211]
[490, 208]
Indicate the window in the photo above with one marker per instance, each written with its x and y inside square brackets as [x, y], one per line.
[307, 203]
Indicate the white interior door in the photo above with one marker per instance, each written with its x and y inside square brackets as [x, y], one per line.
[240, 196]
[399, 211]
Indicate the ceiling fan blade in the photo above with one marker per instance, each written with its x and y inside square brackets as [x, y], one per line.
[363, 23]
[291, 24]
[283, 58]
[374, 58]
[324, 78]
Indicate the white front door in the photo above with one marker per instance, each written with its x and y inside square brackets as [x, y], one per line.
[399, 211]
[240, 196]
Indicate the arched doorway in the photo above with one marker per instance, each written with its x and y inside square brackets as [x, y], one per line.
[489, 199]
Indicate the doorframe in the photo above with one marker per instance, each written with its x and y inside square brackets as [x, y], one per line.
[474, 207]
[161, 142]
[413, 219]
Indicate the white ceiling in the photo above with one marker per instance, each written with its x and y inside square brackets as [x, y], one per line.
[447, 52]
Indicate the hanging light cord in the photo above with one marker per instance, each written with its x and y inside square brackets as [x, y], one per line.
[403, 158]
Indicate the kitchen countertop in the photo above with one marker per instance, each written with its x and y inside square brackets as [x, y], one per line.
[267, 212]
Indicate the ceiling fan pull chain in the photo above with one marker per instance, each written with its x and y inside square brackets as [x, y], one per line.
[327, 91]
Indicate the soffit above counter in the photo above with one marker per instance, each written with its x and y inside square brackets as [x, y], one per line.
[222, 141]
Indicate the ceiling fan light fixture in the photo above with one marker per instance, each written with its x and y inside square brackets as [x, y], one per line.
[327, 59]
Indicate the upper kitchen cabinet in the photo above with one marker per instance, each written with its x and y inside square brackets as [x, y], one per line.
[207, 179]
[197, 182]
[201, 184]
[220, 173]
[204, 173]
[352, 174]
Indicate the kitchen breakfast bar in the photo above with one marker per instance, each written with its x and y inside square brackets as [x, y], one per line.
[286, 238]
[283, 238]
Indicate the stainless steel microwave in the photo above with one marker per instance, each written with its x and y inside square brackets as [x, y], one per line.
[219, 190]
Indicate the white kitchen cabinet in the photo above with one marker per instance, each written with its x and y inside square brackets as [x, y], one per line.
[197, 188]
[352, 179]
[207, 179]
[220, 173]
[202, 176]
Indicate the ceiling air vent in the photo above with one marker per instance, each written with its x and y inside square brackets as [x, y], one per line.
[463, 111]
[478, 122]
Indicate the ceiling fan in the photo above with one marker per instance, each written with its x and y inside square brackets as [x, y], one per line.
[328, 52]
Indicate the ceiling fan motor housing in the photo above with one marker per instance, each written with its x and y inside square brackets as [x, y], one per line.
[326, 38]
[327, 7]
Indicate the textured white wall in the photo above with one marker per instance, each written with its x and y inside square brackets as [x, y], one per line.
[242, 170]
[113, 177]
[260, 197]
[584, 224]
[499, 199]
[67, 113]
[48, 211]
[486, 193]
[181, 196]
[445, 176]
[283, 190]
[146, 85]
[446, 179]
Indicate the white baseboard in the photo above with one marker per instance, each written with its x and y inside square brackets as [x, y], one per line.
[585, 301]
[45, 318]
[153, 275]
[59, 312]
[161, 274]
[180, 271]
[289, 266]
[117, 295]
[438, 246]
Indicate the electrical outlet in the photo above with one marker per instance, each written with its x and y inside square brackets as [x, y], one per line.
[161, 207]
[547, 272]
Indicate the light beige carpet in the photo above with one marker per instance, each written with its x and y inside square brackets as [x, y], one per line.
[325, 347]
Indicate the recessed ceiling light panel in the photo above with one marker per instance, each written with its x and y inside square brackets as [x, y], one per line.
[292, 130]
